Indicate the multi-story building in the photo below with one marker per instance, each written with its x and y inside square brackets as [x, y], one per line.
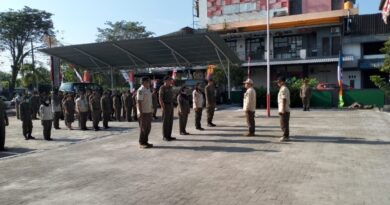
[306, 35]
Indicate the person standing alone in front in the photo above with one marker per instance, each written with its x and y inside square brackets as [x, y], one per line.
[284, 108]
[305, 94]
[198, 101]
[46, 114]
[166, 103]
[250, 107]
[210, 102]
[144, 112]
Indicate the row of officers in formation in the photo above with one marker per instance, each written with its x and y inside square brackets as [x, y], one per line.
[139, 106]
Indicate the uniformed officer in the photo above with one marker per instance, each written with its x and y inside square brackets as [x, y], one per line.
[25, 117]
[96, 109]
[82, 108]
[144, 111]
[284, 108]
[35, 103]
[69, 111]
[210, 102]
[18, 99]
[155, 103]
[134, 96]
[250, 106]
[106, 108]
[123, 108]
[56, 108]
[88, 95]
[305, 94]
[46, 114]
[183, 108]
[3, 123]
[116, 99]
[198, 102]
[128, 105]
[166, 103]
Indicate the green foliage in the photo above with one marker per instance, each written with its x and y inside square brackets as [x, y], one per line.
[122, 30]
[18, 29]
[377, 80]
[296, 83]
[31, 76]
[237, 76]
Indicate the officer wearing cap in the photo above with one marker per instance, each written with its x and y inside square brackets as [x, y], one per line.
[250, 107]
[144, 111]
[209, 92]
[284, 108]
[166, 103]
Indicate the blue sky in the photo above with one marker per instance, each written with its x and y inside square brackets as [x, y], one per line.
[77, 20]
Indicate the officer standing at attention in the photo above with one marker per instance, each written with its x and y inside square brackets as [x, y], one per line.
[106, 108]
[69, 109]
[250, 107]
[128, 105]
[155, 103]
[18, 99]
[46, 114]
[123, 108]
[35, 103]
[198, 101]
[3, 122]
[166, 103]
[116, 99]
[210, 102]
[82, 108]
[134, 96]
[183, 108]
[305, 94]
[25, 117]
[144, 111]
[96, 109]
[284, 108]
[56, 108]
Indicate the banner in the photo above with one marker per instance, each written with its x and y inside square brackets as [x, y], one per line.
[56, 76]
[340, 80]
[77, 73]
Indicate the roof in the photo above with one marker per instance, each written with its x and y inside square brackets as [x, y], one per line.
[166, 51]
[300, 61]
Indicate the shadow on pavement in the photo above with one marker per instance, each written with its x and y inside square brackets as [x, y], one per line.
[14, 151]
[338, 140]
[226, 141]
[214, 149]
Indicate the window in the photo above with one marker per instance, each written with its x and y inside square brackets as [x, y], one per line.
[288, 47]
[232, 44]
[336, 45]
[325, 47]
[295, 7]
[337, 4]
[372, 48]
[254, 48]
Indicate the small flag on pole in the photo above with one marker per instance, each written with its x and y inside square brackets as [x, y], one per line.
[386, 10]
[77, 73]
[340, 80]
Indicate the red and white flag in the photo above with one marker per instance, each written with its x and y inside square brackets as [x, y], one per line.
[386, 11]
[77, 73]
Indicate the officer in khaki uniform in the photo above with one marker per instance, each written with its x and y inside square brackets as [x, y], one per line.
[106, 108]
[198, 101]
[155, 103]
[144, 111]
[3, 123]
[166, 103]
[305, 94]
[134, 97]
[56, 108]
[250, 107]
[284, 108]
[25, 117]
[116, 99]
[69, 111]
[183, 108]
[210, 102]
[96, 109]
[128, 105]
[82, 108]
[35, 101]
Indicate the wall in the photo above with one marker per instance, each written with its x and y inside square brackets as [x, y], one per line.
[354, 76]
[324, 73]
[310, 6]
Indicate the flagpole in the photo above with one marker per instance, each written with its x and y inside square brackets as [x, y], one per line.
[268, 65]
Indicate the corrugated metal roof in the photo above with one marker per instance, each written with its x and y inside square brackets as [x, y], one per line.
[300, 61]
[168, 51]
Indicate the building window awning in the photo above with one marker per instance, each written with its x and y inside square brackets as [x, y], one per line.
[371, 63]
[300, 61]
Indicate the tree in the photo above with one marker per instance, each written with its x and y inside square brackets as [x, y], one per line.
[378, 80]
[31, 76]
[17, 30]
[122, 30]
[237, 76]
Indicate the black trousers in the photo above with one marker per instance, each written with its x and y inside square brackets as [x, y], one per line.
[47, 129]
[27, 128]
[210, 114]
[2, 135]
[285, 124]
[306, 103]
[128, 113]
[198, 117]
[145, 125]
[167, 118]
[56, 120]
[106, 119]
[83, 116]
[96, 119]
[183, 118]
[250, 120]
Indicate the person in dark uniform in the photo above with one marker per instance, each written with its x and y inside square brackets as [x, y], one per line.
[135, 103]
[88, 94]
[183, 108]
[123, 110]
[56, 108]
[144, 111]
[111, 96]
[166, 103]
[128, 105]
[106, 108]
[3, 123]
[116, 99]
[96, 109]
[155, 103]
[82, 108]
[305, 94]
[198, 102]
[210, 102]
[69, 110]
[35, 101]
[25, 116]
[46, 114]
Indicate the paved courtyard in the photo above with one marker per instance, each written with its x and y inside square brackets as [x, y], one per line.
[335, 157]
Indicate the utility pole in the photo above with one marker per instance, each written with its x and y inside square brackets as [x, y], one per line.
[268, 66]
[33, 66]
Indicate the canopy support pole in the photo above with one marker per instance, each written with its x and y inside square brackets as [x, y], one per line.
[131, 55]
[91, 56]
[229, 85]
[174, 51]
[112, 78]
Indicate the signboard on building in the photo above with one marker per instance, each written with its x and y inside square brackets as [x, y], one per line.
[227, 11]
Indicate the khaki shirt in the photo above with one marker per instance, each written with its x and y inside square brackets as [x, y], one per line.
[209, 92]
[284, 93]
[198, 100]
[250, 100]
[82, 105]
[144, 95]
[305, 91]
